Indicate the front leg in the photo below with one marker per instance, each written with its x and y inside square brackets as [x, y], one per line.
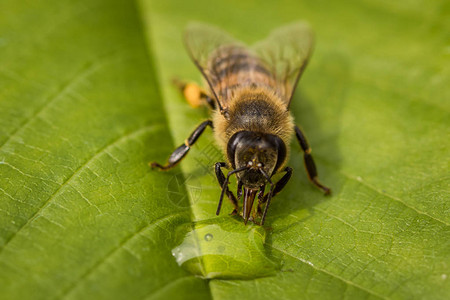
[309, 161]
[181, 151]
[221, 178]
[278, 187]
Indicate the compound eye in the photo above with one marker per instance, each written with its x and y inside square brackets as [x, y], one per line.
[250, 163]
[259, 165]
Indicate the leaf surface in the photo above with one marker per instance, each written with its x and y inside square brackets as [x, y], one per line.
[87, 102]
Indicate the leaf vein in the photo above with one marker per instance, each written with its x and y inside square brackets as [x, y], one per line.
[352, 226]
[348, 282]
[371, 187]
[75, 173]
[88, 69]
[171, 284]
[121, 245]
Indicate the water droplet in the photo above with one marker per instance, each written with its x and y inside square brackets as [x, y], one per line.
[208, 237]
[224, 248]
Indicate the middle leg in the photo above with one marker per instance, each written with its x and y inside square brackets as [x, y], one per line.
[309, 161]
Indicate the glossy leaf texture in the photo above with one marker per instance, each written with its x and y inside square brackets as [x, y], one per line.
[86, 102]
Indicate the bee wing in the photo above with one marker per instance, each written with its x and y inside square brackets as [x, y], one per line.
[204, 41]
[286, 52]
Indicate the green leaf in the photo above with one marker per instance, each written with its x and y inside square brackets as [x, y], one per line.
[87, 102]
[218, 248]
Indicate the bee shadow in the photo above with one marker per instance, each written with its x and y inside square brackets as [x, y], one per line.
[317, 108]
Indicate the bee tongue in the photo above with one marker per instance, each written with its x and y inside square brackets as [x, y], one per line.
[249, 197]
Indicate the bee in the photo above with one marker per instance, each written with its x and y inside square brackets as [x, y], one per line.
[249, 90]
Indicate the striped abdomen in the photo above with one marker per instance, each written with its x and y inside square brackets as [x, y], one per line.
[233, 67]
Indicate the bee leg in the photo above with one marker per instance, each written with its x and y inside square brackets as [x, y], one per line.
[181, 151]
[194, 94]
[221, 178]
[309, 161]
[278, 187]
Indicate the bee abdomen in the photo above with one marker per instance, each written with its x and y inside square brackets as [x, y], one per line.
[234, 67]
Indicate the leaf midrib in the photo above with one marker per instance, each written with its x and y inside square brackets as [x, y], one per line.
[385, 88]
[152, 51]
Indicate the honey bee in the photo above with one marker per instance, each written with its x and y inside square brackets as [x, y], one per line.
[249, 91]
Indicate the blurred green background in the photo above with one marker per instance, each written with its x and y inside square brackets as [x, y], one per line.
[86, 103]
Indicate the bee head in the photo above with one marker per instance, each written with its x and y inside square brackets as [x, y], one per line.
[261, 153]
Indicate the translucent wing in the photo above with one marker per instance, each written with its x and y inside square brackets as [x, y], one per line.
[227, 65]
[204, 42]
[286, 52]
